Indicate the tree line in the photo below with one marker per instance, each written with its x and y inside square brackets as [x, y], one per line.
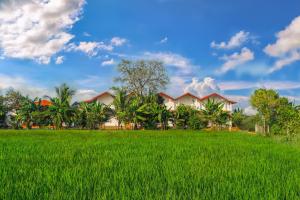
[142, 112]
[136, 102]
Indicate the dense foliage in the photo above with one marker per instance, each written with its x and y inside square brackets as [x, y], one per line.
[276, 115]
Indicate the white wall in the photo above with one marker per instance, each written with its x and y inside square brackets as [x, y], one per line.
[106, 99]
[170, 104]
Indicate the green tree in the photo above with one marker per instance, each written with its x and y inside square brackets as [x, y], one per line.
[136, 112]
[26, 110]
[94, 113]
[182, 116]
[196, 120]
[3, 112]
[120, 104]
[287, 118]
[142, 77]
[214, 114]
[12, 100]
[237, 117]
[266, 102]
[61, 112]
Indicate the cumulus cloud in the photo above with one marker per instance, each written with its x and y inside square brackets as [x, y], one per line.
[171, 59]
[93, 48]
[89, 48]
[38, 29]
[202, 88]
[108, 62]
[176, 85]
[117, 41]
[235, 41]
[84, 94]
[59, 60]
[236, 59]
[287, 46]
[23, 85]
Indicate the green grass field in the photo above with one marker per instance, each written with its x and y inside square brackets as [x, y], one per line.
[146, 165]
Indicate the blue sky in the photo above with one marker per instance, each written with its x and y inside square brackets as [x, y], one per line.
[231, 46]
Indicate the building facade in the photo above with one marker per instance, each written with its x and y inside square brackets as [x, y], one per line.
[171, 103]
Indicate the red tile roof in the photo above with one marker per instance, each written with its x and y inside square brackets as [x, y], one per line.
[187, 94]
[165, 95]
[98, 96]
[217, 95]
[168, 96]
[44, 103]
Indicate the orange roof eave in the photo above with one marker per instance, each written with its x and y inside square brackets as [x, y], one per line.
[217, 95]
[98, 96]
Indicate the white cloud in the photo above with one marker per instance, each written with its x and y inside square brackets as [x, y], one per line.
[86, 34]
[108, 62]
[89, 48]
[164, 40]
[171, 59]
[93, 48]
[287, 46]
[284, 61]
[244, 85]
[250, 111]
[23, 85]
[27, 87]
[176, 85]
[84, 94]
[287, 40]
[117, 41]
[95, 82]
[202, 88]
[59, 60]
[236, 59]
[37, 29]
[235, 41]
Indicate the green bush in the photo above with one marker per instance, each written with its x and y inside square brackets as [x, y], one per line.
[248, 123]
[196, 121]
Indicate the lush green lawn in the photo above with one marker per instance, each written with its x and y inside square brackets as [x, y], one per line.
[146, 165]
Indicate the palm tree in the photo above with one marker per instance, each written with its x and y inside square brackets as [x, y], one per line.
[120, 105]
[92, 115]
[60, 111]
[136, 111]
[163, 115]
[237, 117]
[65, 93]
[214, 114]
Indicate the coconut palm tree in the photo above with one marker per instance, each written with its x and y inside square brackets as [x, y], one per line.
[92, 115]
[60, 110]
[65, 93]
[136, 111]
[214, 114]
[162, 115]
[120, 104]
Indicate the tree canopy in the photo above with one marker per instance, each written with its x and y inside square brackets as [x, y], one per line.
[142, 77]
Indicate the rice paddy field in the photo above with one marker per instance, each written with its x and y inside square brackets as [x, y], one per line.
[43, 164]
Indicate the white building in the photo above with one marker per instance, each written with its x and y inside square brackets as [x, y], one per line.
[107, 98]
